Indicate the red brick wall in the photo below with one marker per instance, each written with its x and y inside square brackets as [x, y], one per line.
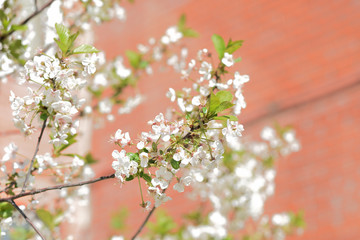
[303, 60]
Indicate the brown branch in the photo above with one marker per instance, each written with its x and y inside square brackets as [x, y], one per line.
[34, 14]
[26, 218]
[145, 221]
[58, 187]
[33, 158]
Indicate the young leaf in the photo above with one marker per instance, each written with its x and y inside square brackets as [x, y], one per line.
[63, 33]
[134, 58]
[6, 210]
[131, 177]
[46, 217]
[190, 33]
[85, 48]
[118, 219]
[226, 117]
[175, 164]
[214, 103]
[233, 46]
[219, 45]
[223, 106]
[224, 96]
[89, 159]
[146, 177]
[182, 22]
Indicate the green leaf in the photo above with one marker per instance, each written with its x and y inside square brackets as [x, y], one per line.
[43, 116]
[219, 45]
[16, 27]
[237, 59]
[134, 157]
[62, 46]
[220, 101]
[85, 48]
[47, 218]
[175, 164]
[214, 103]
[297, 219]
[268, 162]
[226, 117]
[223, 106]
[131, 177]
[71, 140]
[6, 210]
[21, 233]
[186, 32]
[64, 37]
[118, 219]
[190, 33]
[233, 46]
[89, 159]
[146, 177]
[182, 22]
[224, 96]
[143, 64]
[163, 225]
[154, 147]
[134, 58]
[72, 39]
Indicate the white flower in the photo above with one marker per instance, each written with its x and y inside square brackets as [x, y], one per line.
[239, 80]
[120, 69]
[179, 187]
[89, 64]
[172, 35]
[123, 165]
[161, 198]
[205, 70]
[163, 176]
[171, 94]
[120, 138]
[233, 129]
[280, 219]
[144, 158]
[196, 101]
[10, 152]
[227, 60]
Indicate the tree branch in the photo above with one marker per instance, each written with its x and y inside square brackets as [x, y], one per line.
[58, 187]
[34, 14]
[26, 218]
[33, 158]
[145, 221]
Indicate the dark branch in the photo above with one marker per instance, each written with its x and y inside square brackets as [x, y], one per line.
[58, 187]
[33, 158]
[27, 219]
[145, 221]
[34, 14]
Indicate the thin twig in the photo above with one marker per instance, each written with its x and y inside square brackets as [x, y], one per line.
[145, 221]
[34, 14]
[33, 158]
[27, 219]
[58, 187]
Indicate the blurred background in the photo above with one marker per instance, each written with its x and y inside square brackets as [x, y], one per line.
[303, 59]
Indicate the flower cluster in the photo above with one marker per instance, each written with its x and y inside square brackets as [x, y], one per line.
[51, 95]
[192, 141]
